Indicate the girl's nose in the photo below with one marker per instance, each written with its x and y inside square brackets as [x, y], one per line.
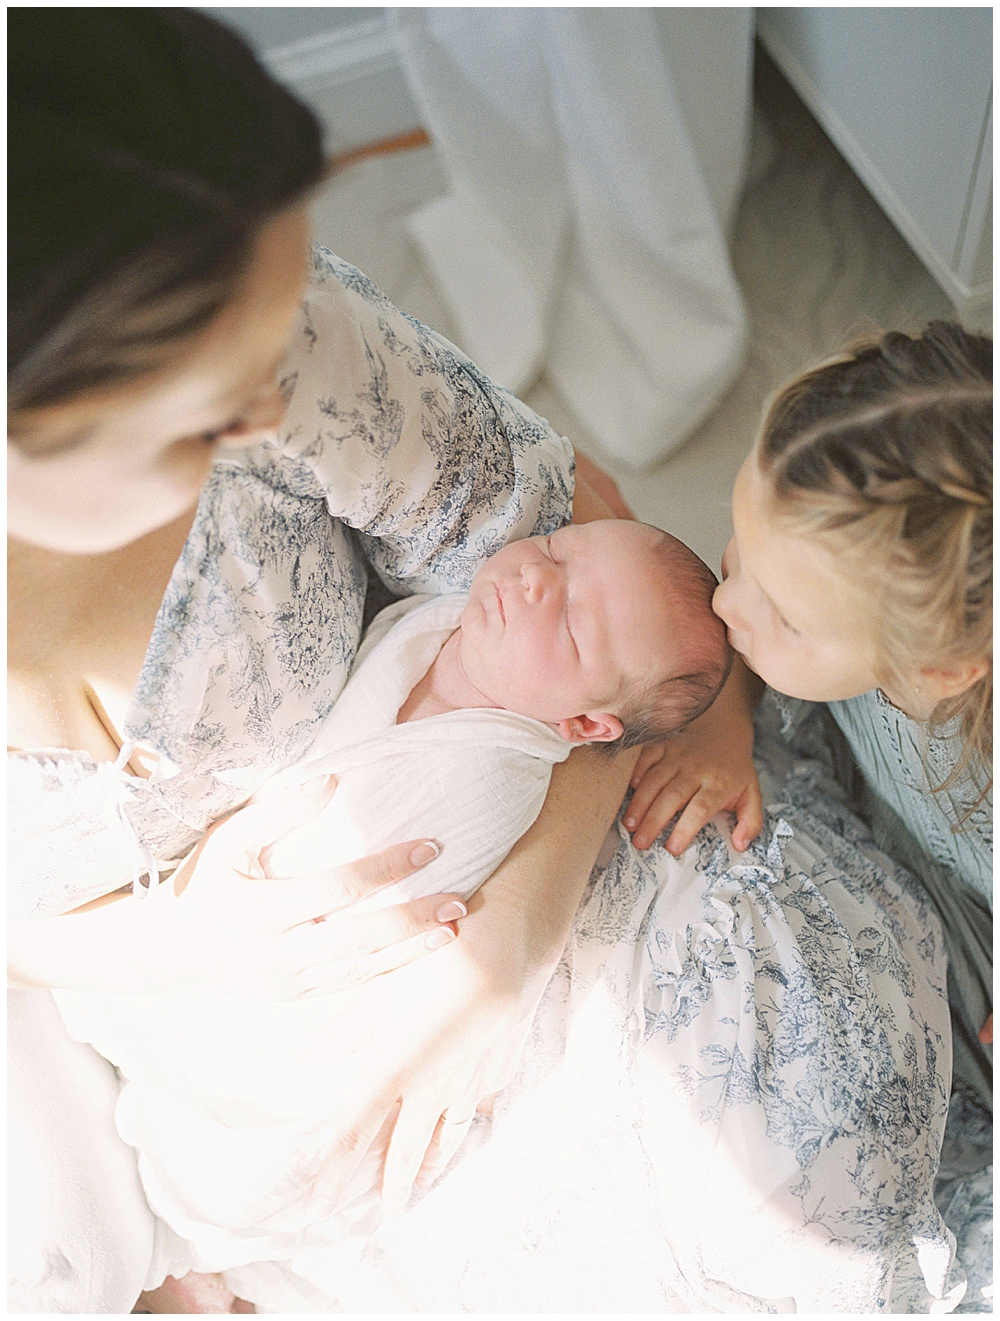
[726, 604]
[728, 558]
[725, 597]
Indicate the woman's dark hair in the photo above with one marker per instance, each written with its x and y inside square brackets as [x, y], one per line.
[147, 149]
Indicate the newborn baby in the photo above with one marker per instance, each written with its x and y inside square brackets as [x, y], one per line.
[456, 709]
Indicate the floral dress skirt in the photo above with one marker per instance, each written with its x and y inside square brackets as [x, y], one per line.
[733, 1098]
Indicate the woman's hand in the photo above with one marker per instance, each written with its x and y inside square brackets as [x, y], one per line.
[703, 769]
[220, 926]
[445, 1033]
[441, 1036]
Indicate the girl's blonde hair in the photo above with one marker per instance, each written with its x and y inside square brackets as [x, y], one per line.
[886, 453]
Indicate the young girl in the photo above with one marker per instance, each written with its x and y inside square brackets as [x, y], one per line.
[860, 575]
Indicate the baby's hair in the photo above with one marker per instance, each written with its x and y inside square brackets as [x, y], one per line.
[886, 452]
[148, 147]
[653, 709]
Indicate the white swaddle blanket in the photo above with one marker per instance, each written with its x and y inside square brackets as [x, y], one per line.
[231, 1103]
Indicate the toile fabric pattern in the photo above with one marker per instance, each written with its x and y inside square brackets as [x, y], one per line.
[735, 1092]
[901, 764]
[732, 1100]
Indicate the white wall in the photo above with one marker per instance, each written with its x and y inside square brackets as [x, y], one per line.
[342, 62]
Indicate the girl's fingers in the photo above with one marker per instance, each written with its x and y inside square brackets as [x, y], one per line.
[305, 898]
[699, 811]
[649, 756]
[324, 979]
[652, 790]
[749, 817]
[664, 808]
[347, 937]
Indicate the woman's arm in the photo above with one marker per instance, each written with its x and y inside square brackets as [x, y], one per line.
[444, 1036]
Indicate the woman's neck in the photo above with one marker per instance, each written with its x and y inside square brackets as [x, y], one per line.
[443, 688]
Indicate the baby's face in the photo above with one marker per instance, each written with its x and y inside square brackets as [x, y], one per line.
[558, 626]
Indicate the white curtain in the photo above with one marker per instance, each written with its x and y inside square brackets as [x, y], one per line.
[580, 235]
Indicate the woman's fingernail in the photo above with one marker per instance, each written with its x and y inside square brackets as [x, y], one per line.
[317, 786]
[630, 823]
[424, 853]
[451, 911]
[440, 936]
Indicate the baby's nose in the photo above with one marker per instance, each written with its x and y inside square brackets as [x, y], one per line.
[536, 583]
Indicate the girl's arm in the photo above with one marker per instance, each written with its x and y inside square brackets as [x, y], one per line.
[448, 1033]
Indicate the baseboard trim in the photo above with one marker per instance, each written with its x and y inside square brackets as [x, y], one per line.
[332, 59]
[966, 299]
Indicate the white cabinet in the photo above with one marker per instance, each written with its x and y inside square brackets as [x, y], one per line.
[906, 95]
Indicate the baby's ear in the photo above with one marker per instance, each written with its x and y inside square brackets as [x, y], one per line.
[595, 727]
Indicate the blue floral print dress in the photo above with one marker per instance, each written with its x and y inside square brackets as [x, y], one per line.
[734, 1095]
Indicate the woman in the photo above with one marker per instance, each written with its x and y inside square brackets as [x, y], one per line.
[182, 628]
[184, 654]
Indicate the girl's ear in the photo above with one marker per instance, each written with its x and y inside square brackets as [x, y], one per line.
[945, 681]
[595, 727]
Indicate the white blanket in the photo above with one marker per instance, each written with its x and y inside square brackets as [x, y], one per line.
[229, 1102]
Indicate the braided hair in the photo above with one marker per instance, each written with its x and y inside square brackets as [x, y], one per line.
[886, 453]
[148, 147]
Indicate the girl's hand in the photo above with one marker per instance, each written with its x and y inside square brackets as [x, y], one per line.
[703, 769]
